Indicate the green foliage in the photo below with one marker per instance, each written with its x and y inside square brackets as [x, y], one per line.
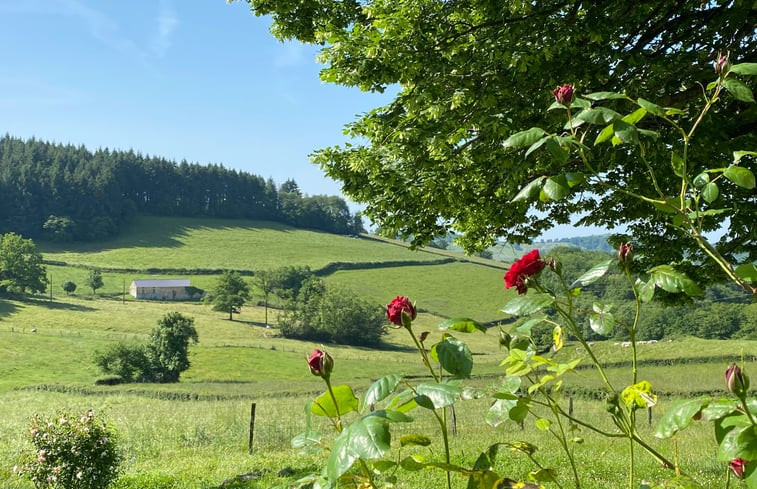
[69, 287]
[229, 294]
[162, 359]
[21, 266]
[95, 280]
[71, 452]
[168, 347]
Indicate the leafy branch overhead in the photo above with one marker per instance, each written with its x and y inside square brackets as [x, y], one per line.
[470, 75]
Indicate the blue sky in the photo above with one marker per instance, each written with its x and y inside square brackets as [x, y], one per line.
[196, 80]
[200, 80]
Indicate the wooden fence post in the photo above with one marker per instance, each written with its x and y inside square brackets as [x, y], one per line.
[252, 425]
[649, 415]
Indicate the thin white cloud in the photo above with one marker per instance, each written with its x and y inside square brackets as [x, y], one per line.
[290, 54]
[102, 27]
[167, 22]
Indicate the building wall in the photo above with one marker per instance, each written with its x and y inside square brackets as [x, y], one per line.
[160, 293]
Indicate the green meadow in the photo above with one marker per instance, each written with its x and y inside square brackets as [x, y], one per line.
[194, 434]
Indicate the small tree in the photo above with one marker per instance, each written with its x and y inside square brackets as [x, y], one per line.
[21, 266]
[168, 349]
[264, 280]
[69, 287]
[95, 280]
[229, 294]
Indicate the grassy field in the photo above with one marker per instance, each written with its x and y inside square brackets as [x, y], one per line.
[194, 434]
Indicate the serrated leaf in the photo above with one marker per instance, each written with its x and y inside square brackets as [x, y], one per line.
[524, 138]
[744, 69]
[748, 272]
[345, 401]
[454, 356]
[381, 389]
[463, 325]
[652, 108]
[523, 305]
[556, 188]
[593, 274]
[670, 280]
[710, 192]
[738, 90]
[604, 96]
[441, 395]
[530, 191]
[739, 175]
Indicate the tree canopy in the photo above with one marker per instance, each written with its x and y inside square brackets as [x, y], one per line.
[21, 267]
[469, 74]
[229, 294]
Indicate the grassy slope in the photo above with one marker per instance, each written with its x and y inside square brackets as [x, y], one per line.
[199, 443]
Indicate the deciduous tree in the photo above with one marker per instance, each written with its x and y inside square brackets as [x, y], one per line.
[229, 294]
[21, 268]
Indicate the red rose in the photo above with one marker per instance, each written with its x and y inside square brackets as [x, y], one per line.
[625, 252]
[736, 381]
[321, 364]
[400, 311]
[563, 94]
[528, 265]
[738, 466]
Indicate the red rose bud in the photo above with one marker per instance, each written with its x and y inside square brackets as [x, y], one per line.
[321, 364]
[563, 94]
[736, 381]
[625, 252]
[738, 466]
[400, 311]
[722, 65]
[527, 266]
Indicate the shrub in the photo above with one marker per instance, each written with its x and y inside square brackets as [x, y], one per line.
[69, 287]
[71, 452]
[129, 362]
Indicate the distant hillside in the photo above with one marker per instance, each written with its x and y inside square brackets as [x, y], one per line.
[68, 193]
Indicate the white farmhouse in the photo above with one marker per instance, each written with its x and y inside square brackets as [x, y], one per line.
[165, 290]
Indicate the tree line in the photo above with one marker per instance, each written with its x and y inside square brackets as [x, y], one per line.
[66, 193]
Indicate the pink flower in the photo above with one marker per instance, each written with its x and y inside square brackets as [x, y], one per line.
[625, 252]
[736, 381]
[321, 364]
[400, 311]
[528, 265]
[738, 466]
[563, 94]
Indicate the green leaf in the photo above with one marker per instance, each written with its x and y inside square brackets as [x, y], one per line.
[526, 327]
[718, 409]
[740, 442]
[538, 144]
[738, 90]
[575, 178]
[543, 424]
[744, 69]
[635, 116]
[702, 179]
[598, 115]
[463, 325]
[678, 417]
[499, 411]
[441, 395]
[624, 132]
[580, 103]
[602, 321]
[511, 384]
[309, 437]
[543, 475]
[523, 305]
[454, 356]
[604, 135]
[367, 438]
[651, 107]
[741, 176]
[381, 389]
[558, 338]
[737, 155]
[345, 400]
[556, 188]
[556, 150]
[678, 164]
[524, 138]
[394, 416]
[710, 192]
[747, 271]
[646, 290]
[671, 280]
[593, 274]
[530, 191]
[604, 96]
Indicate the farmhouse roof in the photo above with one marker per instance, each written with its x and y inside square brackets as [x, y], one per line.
[182, 282]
